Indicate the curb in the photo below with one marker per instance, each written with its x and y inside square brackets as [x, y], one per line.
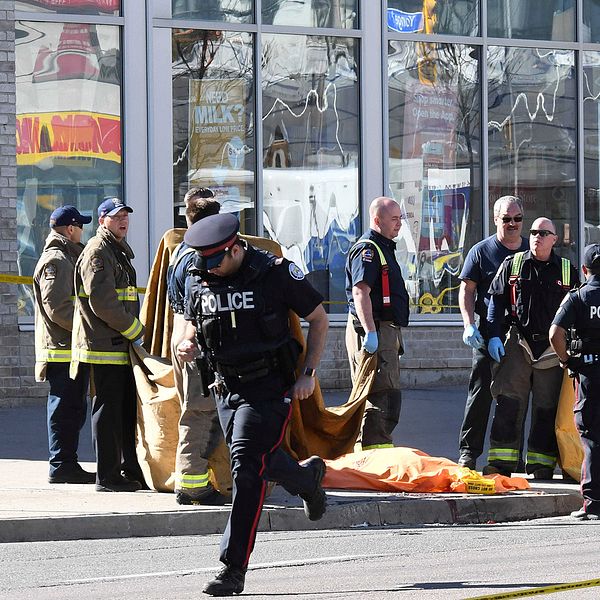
[459, 510]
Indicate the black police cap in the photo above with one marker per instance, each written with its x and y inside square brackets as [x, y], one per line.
[212, 237]
[591, 256]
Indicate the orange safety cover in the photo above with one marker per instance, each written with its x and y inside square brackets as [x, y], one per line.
[404, 470]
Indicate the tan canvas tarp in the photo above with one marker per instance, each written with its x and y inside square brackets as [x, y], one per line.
[314, 429]
[569, 443]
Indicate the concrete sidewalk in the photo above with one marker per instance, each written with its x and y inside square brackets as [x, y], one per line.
[33, 510]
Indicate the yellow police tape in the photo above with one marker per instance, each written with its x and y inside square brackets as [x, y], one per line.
[551, 589]
[23, 280]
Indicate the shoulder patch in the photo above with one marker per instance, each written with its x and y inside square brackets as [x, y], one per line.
[50, 271]
[296, 272]
[367, 255]
[97, 264]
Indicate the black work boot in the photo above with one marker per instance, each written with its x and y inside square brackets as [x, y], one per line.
[228, 581]
[466, 460]
[315, 502]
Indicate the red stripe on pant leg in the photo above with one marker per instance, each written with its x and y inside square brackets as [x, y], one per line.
[264, 487]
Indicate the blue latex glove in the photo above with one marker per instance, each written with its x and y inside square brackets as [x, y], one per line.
[138, 342]
[370, 342]
[496, 348]
[472, 337]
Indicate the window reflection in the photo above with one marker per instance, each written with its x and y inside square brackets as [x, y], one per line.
[68, 128]
[229, 11]
[591, 21]
[532, 135]
[591, 120]
[532, 19]
[340, 14]
[311, 154]
[87, 7]
[458, 17]
[213, 132]
[434, 165]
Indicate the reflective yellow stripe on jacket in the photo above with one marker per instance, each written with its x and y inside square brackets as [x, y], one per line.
[52, 355]
[95, 357]
[127, 294]
[133, 332]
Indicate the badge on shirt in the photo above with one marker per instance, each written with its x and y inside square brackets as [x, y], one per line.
[296, 272]
[50, 272]
[97, 264]
[367, 255]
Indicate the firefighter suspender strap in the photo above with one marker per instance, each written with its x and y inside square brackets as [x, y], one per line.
[515, 273]
[385, 273]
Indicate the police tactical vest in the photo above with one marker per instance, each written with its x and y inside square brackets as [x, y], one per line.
[236, 321]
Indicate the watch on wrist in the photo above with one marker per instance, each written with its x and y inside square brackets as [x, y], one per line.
[308, 371]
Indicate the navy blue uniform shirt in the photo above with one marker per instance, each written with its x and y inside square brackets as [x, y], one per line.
[176, 276]
[364, 264]
[481, 264]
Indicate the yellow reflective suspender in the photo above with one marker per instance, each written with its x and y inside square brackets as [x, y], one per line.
[385, 272]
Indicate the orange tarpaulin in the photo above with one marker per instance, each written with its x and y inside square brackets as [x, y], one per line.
[404, 470]
[569, 442]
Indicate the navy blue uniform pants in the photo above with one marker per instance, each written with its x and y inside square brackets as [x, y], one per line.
[477, 407]
[66, 413]
[254, 431]
[114, 420]
[587, 421]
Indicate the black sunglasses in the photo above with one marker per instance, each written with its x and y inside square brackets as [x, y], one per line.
[80, 225]
[516, 219]
[541, 232]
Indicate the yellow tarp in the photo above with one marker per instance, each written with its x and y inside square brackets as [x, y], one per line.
[569, 442]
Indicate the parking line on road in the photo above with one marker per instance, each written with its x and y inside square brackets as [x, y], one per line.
[551, 589]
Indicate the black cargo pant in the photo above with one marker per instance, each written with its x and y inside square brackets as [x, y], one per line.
[587, 421]
[477, 407]
[254, 428]
[114, 421]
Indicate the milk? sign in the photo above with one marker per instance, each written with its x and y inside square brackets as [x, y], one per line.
[404, 22]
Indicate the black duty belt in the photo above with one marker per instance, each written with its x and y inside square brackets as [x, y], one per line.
[250, 370]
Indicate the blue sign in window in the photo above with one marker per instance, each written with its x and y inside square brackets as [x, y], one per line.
[404, 22]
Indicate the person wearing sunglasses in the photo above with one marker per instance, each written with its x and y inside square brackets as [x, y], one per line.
[525, 295]
[53, 292]
[481, 264]
[581, 312]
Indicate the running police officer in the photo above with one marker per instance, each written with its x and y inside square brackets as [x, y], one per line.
[53, 292]
[525, 294]
[580, 311]
[378, 308]
[237, 303]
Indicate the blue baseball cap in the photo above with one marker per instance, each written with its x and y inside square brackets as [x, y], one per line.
[591, 256]
[111, 206]
[67, 215]
[212, 237]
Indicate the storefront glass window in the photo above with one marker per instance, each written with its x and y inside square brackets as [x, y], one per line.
[591, 141]
[340, 14]
[434, 170]
[532, 19]
[532, 136]
[456, 17]
[78, 7]
[68, 128]
[591, 21]
[311, 154]
[228, 11]
[213, 120]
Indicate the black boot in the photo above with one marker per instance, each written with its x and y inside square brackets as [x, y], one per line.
[315, 502]
[228, 581]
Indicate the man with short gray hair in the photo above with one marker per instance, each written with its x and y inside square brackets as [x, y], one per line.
[479, 269]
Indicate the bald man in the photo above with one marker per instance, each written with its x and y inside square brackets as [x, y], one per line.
[524, 297]
[378, 308]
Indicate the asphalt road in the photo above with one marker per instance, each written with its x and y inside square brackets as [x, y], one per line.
[432, 562]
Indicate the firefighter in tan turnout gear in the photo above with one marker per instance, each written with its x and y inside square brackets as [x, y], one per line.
[106, 322]
[53, 291]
